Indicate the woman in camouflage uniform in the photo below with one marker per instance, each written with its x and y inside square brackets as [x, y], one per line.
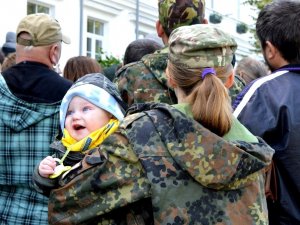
[190, 163]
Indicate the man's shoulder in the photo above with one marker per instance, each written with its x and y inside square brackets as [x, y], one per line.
[256, 91]
[151, 63]
[134, 68]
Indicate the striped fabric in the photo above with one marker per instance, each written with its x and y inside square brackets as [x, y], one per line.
[254, 86]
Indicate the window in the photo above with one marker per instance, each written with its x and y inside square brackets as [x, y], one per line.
[95, 31]
[35, 8]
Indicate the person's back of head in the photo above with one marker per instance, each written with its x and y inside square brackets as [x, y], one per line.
[39, 38]
[173, 14]
[79, 66]
[2, 57]
[250, 69]
[200, 64]
[10, 43]
[138, 48]
[278, 23]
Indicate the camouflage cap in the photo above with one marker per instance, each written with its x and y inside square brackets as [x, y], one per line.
[201, 45]
[176, 13]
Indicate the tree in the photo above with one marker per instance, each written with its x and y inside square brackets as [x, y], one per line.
[258, 5]
[107, 60]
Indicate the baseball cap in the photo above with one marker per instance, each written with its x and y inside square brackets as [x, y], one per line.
[176, 13]
[201, 45]
[43, 29]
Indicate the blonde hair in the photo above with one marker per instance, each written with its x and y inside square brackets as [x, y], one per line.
[208, 97]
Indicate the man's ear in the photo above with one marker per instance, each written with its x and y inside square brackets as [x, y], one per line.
[159, 29]
[53, 54]
[161, 33]
[270, 50]
[229, 81]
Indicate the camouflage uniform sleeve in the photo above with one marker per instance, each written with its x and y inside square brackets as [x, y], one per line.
[236, 88]
[145, 81]
[109, 178]
[124, 80]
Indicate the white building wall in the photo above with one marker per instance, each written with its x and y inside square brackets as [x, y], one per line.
[10, 15]
[119, 17]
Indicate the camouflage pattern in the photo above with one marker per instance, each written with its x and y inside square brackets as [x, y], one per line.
[176, 13]
[190, 175]
[201, 45]
[145, 81]
[236, 88]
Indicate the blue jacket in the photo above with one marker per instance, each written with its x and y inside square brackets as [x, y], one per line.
[271, 109]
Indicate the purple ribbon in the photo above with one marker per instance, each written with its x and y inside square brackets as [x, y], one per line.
[208, 71]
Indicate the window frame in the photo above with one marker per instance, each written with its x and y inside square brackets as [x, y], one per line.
[40, 4]
[93, 37]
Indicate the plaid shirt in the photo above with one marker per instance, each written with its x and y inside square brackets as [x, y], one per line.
[26, 130]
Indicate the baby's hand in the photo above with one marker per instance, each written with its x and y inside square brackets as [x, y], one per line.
[47, 166]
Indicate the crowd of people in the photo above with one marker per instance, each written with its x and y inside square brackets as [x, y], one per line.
[178, 135]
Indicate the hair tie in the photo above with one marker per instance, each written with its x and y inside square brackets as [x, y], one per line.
[208, 71]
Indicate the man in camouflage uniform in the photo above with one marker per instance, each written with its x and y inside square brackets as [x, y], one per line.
[145, 80]
[163, 167]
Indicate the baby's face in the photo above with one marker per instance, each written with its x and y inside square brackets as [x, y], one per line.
[83, 118]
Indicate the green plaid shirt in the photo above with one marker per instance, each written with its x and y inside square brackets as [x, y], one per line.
[26, 130]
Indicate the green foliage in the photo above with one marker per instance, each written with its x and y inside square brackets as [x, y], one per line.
[106, 60]
[215, 18]
[259, 4]
[241, 28]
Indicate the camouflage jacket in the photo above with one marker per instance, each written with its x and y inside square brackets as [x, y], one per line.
[45, 185]
[236, 88]
[145, 80]
[161, 167]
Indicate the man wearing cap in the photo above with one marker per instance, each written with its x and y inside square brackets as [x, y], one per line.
[31, 92]
[145, 80]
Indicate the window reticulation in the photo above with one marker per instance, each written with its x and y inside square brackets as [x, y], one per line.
[94, 40]
[35, 8]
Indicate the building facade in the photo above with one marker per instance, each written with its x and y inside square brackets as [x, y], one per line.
[108, 26]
